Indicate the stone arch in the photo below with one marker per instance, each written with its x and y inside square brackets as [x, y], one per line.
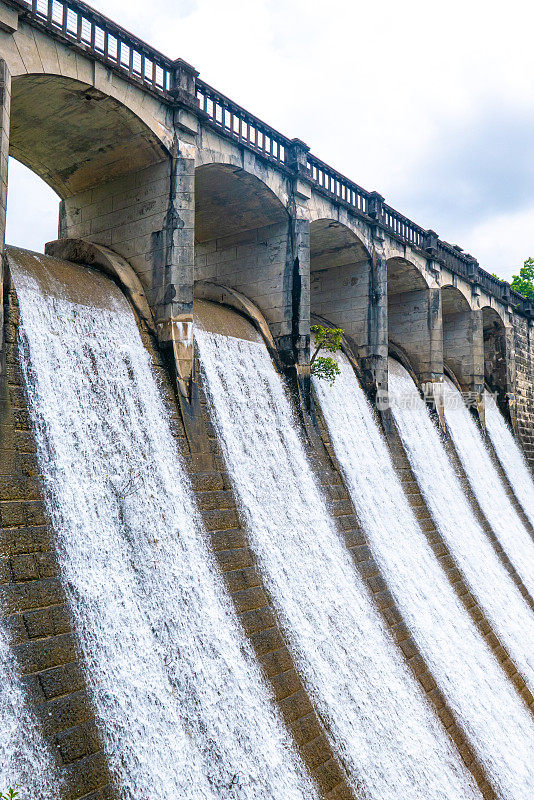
[414, 318]
[339, 280]
[88, 254]
[106, 139]
[214, 151]
[231, 298]
[243, 241]
[495, 355]
[463, 348]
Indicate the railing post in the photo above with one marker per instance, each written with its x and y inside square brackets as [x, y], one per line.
[472, 269]
[430, 243]
[297, 157]
[184, 84]
[375, 206]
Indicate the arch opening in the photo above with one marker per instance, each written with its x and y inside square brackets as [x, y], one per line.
[339, 281]
[242, 241]
[414, 317]
[74, 136]
[495, 355]
[463, 350]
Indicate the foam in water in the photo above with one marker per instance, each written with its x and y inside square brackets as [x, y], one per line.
[25, 761]
[389, 740]
[488, 486]
[510, 455]
[485, 703]
[487, 578]
[183, 707]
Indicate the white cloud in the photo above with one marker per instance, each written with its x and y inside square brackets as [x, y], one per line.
[398, 96]
[503, 241]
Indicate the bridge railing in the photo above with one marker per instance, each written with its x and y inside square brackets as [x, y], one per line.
[92, 32]
[236, 122]
[89, 30]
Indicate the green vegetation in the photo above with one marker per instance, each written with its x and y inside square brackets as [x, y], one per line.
[329, 339]
[524, 282]
[12, 794]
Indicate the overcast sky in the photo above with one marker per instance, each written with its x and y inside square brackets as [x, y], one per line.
[431, 104]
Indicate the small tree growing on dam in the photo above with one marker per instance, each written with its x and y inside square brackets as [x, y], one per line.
[329, 339]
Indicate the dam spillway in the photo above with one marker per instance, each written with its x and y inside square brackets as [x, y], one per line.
[469, 676]
[180, 701]
[377, 722]
[487, 485]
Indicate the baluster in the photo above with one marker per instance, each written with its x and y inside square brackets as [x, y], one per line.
[78, 27]
[106, 44]
[131, 62]
[93, 35]
[64, 18]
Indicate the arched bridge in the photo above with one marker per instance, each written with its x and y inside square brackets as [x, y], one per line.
[174, 177]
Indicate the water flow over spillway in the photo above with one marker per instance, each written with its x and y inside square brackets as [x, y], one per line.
[488, 486]
[485, 703]
[510, 455]
[487, 578]
[24, 758]
[183, 707]
[379, 721]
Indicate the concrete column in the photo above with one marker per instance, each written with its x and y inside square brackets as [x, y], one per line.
[174, 264]
[375, 360]
[5, 102]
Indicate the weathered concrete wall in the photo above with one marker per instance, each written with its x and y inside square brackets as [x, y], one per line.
[148, 218]
[255, 262]
[414, 323]
[463, 348]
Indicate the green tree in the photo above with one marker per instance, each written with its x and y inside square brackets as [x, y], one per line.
[12, 794]
[329, 339]
[524, 282]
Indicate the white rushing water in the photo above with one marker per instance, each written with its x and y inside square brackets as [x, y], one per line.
[487, 578]
[489, 710]
[488, 486]
[510, 455]
[25, 761]
[183, 707]
[379, 721]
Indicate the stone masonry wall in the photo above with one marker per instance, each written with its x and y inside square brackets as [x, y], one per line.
[254, 262]
[341, 295]
[32, 599]
[147, 217]
[463, 349]
[523, 335]
[414, 323]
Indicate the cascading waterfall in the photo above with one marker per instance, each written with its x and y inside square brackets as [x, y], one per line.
[488, 486]
[380, 723]
[510, 455]
[183, 706]
[486, 704]
[24, 759]
[486, 576]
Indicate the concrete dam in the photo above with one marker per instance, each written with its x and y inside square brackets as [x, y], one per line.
[222, 576]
